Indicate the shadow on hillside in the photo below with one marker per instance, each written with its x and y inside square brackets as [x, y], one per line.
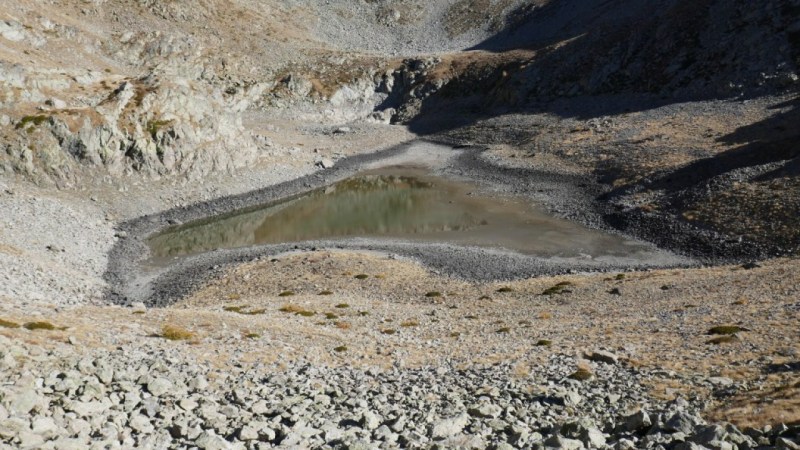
[772, 140]
[783, 368]
[599, 58]
[536, 27]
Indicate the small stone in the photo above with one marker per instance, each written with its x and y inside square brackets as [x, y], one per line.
[208, 440]
[325, 163]
[159, 386]
[22, 402]
[198, 383]
[637, 421]
[141, 423]
[385, 434]
[571, 398]
[248, 433]
[592, 437]
[28, 439]
[370, 420]
[681, 422]
[45, 426]
[563, 443]
[485, 411]
[449, 427]
[9, 428]
[625, 444]
[70, 444]
[187, 404]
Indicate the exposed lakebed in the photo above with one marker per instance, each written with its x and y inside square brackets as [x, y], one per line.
[400, 203]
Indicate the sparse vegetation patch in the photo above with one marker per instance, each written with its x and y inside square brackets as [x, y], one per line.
[560, 288]
[582, 374]
[40, 326]
[176, 333]
[8, 324]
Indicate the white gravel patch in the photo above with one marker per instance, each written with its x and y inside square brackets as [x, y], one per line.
[52, 252]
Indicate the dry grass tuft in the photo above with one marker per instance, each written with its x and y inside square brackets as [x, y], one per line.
[409, 323]
[41, 326]
[343, 325]
[8, 324]
[560, 288]
[176, 333]
[582, 374]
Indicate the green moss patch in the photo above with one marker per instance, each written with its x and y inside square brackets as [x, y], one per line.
[154, 126]
[40, 326]
[505, 289]
[325, 293]
[544, 343]
[8, 324]
[286, 294]
[340, 349]
[361, 276]
[31, 120]
[432, 294]
[560, 288]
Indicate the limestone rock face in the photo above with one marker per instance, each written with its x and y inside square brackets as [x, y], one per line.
[150, 125]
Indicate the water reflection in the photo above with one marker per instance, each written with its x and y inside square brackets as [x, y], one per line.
[369, 205]
[403, 203]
